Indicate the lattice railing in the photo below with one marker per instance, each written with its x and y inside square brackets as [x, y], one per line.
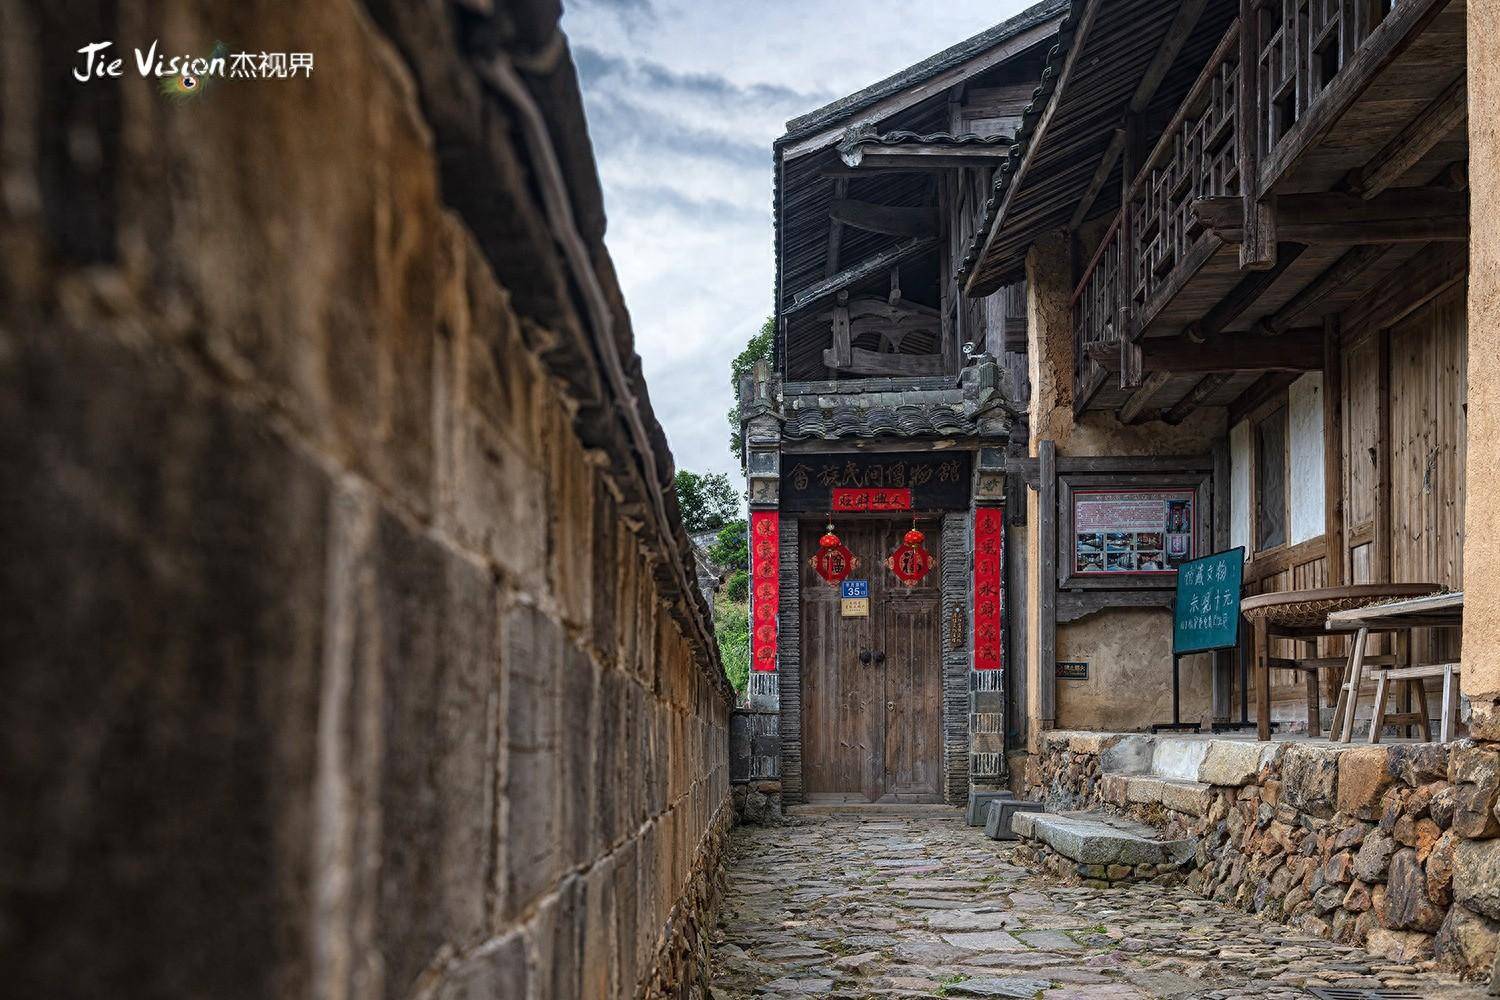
[1096, 303]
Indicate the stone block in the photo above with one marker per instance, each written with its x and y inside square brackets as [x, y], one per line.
[979, 804]
[1232, 762]
[1092, 744]
[1419, 764]
[1143, 789]
[997, 824]
[1178, 758]
[1131, 755]
[1188, 797]
[1364, 774]
[1374, 857]
[1476, 876]
[1438, 869]
[1399, 946]
[1475, 774]
[1467, 940]
[1406, 904]
[1309, 779]
[531, 656]
[497, 969]
[1115, 788]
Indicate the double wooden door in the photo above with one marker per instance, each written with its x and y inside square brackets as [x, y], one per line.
[872, 688]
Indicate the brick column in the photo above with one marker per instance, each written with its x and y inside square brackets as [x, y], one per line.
[1481, 641]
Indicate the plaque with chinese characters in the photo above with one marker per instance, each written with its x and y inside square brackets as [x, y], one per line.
[891, 481]
[1206, 612]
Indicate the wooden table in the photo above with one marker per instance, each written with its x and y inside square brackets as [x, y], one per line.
[1303, 615]
[1443, 610]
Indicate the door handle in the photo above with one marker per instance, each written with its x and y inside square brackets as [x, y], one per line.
[879, 656]
[864, 656]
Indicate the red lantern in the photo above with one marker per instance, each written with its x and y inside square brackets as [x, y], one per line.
[910, 562]
[834, 561]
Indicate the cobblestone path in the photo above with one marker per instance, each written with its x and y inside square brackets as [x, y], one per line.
[891, 905]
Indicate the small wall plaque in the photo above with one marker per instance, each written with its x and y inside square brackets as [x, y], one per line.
[1072, 670]
[854, 598]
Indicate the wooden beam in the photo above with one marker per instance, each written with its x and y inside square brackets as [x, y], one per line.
[863, 362]
[1258, 392]
[1402, 215]
[1188, 12]
[1333, 450]
[876, 155]
[889, 219]
[1428, 275]
[1134, 408]
[1258, 218]
[835, 231]
[1101, 174]
[865, 269]
[1344, 270]
[1413, 142]
[1246, 293]
[1196, 397]
[1294, 351]
[1046, 640]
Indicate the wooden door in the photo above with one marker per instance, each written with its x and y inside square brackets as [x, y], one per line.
[871, 724]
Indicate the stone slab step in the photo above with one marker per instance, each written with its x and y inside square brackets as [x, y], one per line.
[997, 822]
[1179, 795]
[979, 804]
[1096, 838]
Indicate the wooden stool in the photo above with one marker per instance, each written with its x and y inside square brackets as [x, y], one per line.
[1412, 677]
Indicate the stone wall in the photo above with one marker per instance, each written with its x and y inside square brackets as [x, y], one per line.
[346, 627]
[1394, 847]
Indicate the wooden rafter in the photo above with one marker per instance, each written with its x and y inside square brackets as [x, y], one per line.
[1402, 215]
[1245, 294]
[1344, 270]
[878, 264]
[1413, 142]
[835, 231]
[1196, 397]
[1134, 409]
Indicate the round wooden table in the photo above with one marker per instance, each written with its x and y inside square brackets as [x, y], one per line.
[1303, 615]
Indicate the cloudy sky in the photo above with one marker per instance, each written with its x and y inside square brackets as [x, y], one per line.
[684, 98]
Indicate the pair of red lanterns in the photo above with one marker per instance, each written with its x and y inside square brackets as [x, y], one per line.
[910, 562]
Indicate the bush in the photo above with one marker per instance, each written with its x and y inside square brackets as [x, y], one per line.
[732, 626]
[737, 587]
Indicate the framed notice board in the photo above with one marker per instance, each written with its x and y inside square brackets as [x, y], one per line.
[1127, 532]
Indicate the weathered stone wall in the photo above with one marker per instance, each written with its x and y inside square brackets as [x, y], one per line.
[343, 653]
[1393, 847]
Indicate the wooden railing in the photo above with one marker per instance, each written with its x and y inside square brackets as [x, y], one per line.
[1302, 46]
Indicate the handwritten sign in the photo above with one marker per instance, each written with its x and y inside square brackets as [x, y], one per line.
[1206, 614]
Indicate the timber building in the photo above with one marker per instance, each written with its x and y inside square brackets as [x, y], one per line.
[1113, 285]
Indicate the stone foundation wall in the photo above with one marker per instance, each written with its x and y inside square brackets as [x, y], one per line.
[343, 632]
[1394, 847]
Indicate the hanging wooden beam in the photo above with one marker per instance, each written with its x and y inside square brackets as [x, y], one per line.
[1246, 293]
[1101, 174]
[1258, 220]
[835, 231]
[865, 269]
[1402, 215]
[1177, 34]
[1134, 408]
[1294, 351]
[889, 219]
[1413, 142]
[1196, 397]
[1344, 270]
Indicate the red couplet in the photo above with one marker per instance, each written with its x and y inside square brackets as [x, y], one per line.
[765, 589]
[989, 547]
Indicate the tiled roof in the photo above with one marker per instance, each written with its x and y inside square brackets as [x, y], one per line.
[904, 138]
[905, 420]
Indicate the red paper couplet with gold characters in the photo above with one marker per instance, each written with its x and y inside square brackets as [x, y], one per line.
[910, 562]
[834, 561]
[765, 587]
[989, 546]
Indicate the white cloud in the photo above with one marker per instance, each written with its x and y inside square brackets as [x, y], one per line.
[684, 98]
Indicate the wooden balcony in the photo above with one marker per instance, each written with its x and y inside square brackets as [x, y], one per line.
[1338, 89]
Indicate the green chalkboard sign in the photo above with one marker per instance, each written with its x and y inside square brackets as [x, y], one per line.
[1206, 614]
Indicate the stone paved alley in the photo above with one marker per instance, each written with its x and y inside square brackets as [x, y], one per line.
[917, 904]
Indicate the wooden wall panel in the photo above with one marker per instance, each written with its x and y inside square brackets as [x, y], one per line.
[1361, 433]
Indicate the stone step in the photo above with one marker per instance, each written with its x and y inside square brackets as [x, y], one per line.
[1106, 842]
[997, 821]
[979, 804]
[1179, 795]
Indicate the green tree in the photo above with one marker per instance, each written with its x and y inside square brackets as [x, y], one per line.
[707, 501]
[759, 348]
[732, 548]
[732, 627]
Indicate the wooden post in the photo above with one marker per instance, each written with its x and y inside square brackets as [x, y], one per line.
[1333, 475]
[1047, 585]
[1262, 680]
[1258, 249]
[1223, 682]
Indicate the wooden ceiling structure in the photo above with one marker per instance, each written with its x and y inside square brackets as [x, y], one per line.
[1257, 212]
[858, 233]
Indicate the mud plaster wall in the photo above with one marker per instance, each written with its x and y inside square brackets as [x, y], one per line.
[1129, 652]
[332, 666]
[1481, 641]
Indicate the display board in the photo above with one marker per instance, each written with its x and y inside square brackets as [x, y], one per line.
[1206, 611]
[1135, 531]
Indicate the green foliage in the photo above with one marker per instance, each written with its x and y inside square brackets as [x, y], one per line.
[737, 586]
[707, 501]
[758, 348]
[732, 626]
[732, 548]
